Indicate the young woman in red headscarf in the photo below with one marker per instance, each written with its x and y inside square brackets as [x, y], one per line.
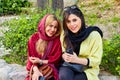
[44, 47]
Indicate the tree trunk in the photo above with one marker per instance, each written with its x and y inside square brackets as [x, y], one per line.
[56, 4]
[42, 3]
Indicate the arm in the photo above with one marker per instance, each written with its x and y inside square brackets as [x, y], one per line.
[29, 64]
[74, 59]
[94, 51]
[31, 51]
[54, 56]
[91, 48]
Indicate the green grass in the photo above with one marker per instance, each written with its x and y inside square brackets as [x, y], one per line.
[99, 12]
[115, 19]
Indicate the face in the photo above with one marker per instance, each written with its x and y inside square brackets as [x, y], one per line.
[73, 23]
[51, 29]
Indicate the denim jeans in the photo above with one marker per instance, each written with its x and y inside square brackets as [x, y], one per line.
[43, 78]
[66, 73]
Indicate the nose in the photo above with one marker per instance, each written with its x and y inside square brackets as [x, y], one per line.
[53, 29]
[71, 23]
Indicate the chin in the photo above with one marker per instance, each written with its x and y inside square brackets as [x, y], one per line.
[74, 31]
[50, 35]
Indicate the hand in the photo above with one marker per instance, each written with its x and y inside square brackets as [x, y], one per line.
[36, 75]
[70, 58]
[34, 59]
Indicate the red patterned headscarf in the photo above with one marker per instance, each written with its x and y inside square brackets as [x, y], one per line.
[41, 29]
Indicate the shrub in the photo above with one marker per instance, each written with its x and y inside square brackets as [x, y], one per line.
[12, 6]
[111, 55]
[16, 37]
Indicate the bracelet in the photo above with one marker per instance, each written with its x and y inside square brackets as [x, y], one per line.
[88, 61]
[41, 62]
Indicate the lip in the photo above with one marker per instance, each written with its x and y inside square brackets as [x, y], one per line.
[51, 33]
[73, 27]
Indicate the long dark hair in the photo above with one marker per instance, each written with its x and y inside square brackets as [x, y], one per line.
[67, 11]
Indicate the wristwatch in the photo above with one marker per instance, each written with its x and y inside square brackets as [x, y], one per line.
[41, 62]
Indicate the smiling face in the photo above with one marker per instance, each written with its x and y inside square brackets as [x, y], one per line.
[51, 29]
[73, 23]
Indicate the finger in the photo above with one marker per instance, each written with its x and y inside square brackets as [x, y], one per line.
[67, 59]
[38, 78]
[35, 78]
[30, 58]
[33, 58]
[41, 74]
[69, 54]
[74, 54]
[64, 56]
[32, 61]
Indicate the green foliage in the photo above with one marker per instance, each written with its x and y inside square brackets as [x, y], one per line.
[111, 55]
[18, 33]
[93, 19]
[12, 6]
[115, 19]
[100, 11]
[16, 37]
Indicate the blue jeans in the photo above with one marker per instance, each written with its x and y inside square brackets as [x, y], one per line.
[43, 78]
[66, 73]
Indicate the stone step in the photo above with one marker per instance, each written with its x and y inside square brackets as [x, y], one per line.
[102, 77]
[18, 72]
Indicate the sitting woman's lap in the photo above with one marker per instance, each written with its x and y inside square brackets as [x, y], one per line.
[66, 73]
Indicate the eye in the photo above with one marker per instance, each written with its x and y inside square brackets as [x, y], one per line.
[74, 20]
[68, 21]
[56, 27]
[51, 25]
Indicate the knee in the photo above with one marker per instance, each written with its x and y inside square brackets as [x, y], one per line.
[63, 76]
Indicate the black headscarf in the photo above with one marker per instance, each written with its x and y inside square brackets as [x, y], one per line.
[76, 39]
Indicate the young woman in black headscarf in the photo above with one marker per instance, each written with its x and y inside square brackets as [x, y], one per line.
[86, 43]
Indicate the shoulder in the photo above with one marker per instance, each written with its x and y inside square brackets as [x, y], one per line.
[36, 34]
[34, 37]
[94, 38]
[94, 34]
